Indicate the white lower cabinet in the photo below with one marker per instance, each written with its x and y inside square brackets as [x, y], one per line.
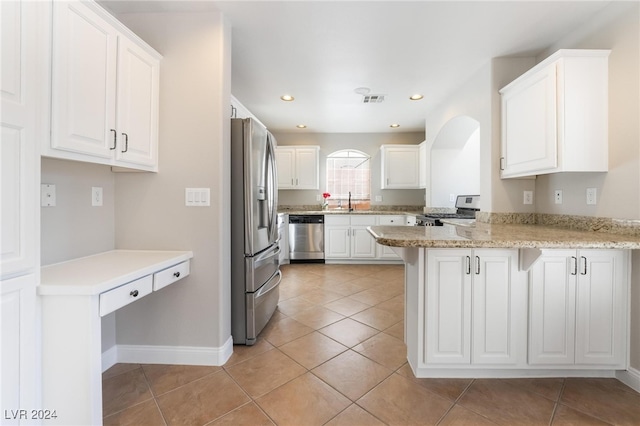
[578, 308]
[474, 310]
[346, 237]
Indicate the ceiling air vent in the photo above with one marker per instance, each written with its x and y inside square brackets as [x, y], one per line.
[372, 99]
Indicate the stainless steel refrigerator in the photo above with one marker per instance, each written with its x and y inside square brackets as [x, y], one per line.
[255, 272]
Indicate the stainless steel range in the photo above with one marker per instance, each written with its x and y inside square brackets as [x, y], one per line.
[466, 208]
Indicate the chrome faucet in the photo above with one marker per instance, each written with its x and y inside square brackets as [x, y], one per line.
[350, 209]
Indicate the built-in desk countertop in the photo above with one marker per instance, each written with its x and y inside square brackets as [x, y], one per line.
[104, 271]
[75, 295]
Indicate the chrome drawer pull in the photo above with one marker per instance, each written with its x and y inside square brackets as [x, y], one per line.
[176, 274]
[134, 293]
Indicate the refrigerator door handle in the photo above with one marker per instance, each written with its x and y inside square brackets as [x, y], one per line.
[272, 191]
[270, 285]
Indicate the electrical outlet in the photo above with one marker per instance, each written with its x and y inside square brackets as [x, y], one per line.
[591, 195]
[557, 196]
[96, 196]
[452, 198]
[318, 197]
[528, 197]
[47, 195]
[378, 198]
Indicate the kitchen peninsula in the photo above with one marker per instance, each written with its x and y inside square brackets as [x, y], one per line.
[510, 300]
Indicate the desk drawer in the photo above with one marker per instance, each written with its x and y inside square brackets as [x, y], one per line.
[125, 294]
[170, 275]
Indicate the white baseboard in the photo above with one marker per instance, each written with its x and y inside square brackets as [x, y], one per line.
[177, 355]
[630, 377]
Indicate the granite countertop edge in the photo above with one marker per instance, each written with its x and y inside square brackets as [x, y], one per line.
[484, 235]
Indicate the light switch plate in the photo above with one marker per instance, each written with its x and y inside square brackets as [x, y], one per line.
[197, 197]
[592, 196]
[378, 198]
[96, 196]
[47, 195]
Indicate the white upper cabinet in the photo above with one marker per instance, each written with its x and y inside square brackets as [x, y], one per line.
[400, 166]
[555, 116]
[298, 167]
[423, 169]
[105, 87]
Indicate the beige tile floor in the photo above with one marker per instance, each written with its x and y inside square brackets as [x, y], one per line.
[334, 354]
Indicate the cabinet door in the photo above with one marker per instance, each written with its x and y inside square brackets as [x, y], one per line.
[337, 242]
[601, 307]
[285, 162]
[529, 128]
[448, 307]
[386, 252]
[307, 168]
[84, 81]
[400, 167]
[137, 119]
[24, 109]
[363, 246]
[423, 167]
[498, 300]
[552, 309]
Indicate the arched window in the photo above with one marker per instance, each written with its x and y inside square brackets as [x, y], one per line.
[348, 170]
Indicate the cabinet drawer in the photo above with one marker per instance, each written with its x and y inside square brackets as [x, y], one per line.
[391, 220]
[336, 220]
[363, 220]
[170, 275]
[125, 294]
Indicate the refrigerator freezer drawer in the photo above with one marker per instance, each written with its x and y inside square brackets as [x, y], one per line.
[260, 307]
[260, 268]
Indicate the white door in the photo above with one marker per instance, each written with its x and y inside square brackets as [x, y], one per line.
[25, 44]
[552, 308]
[285, 162]
[306, 168]
[337, 242]
[498, 299]
[448, 307]
[137, 117]
[601, 307]
[401, 168]
[363, 246]
[84, 81]
[529, 128]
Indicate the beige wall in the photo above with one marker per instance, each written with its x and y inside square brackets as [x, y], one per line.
[194, 152]
[73, 228]
[365, 142]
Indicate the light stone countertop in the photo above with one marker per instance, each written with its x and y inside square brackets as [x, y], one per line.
[484, 235]
[346, 211]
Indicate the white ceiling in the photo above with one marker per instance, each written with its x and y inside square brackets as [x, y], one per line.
[320, 51]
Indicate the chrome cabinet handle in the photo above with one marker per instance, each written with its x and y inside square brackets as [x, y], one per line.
[477, 265]
[584, 271]
[501, 163]
[126, 142]
[176, 274]
[575, 265]
[134, 293]
[468, 261]
[115, 135]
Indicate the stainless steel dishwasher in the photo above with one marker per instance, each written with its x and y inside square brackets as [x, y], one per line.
[306, 238]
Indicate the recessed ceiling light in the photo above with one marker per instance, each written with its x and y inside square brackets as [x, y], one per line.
[301, 126]
[362, 90]
[287, 98]
[394, 125]
[416, 97]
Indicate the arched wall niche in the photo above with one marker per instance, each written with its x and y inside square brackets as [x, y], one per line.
[455, 161]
